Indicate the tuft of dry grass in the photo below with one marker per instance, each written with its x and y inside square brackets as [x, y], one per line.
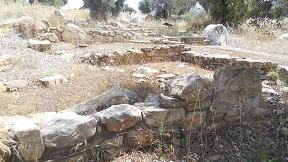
[83, 13]
[18, 9]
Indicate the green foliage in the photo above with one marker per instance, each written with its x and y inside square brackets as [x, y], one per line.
[229, 11]
[260, 155]
[261, 9]
[118, 7]
[280, 9]
[52, 2]
[273, 75]
[145, 6]
[163, 8]
[103, 9]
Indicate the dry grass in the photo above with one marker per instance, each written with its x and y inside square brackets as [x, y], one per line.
[9, 10]
[83, 13]
[85, 81]
[38, 11]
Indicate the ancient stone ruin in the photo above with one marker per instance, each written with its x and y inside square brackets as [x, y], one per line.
[116, 119]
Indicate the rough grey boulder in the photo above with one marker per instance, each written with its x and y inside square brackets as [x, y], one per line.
[237, 94]
[216, 33]
[190, 87]
[66, 129]
[270, 96]
[283, 73]
[113, 96]
[119, 117]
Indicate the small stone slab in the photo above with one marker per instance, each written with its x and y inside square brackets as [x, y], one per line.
[167, 76]
[40, 46]
[13, 85]
[6, 62]
[53, 80]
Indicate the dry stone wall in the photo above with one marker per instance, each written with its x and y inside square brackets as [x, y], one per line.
[160, 53]
[214, 61]
[190, 104]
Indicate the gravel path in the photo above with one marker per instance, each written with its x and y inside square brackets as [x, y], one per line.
[28, 63]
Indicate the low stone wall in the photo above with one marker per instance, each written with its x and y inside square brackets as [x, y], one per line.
[110, 36]
[213, 61]
[115, 120]
[159, 53]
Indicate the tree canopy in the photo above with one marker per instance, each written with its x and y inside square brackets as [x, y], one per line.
[145, 6]
[222, 11]
[102, 9]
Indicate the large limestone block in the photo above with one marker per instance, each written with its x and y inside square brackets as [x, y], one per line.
[237, 94]
[194, 120]
[66, 129]
[73, 34]
[155, 116]
[216, 34]
[119, 117]
[27, 133]
[114, 96]
[190, 87]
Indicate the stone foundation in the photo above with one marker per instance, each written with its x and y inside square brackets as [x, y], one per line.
[191, 104]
